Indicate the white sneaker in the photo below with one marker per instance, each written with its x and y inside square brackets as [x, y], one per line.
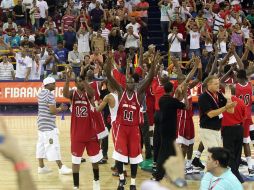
[96, 185]
[65, 170]
[75, 188]
[44, 170]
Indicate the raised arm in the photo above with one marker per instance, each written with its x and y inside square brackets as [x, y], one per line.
[238, 59]
[113, 82]
[199, 75]
[66, 92]
[147, 81]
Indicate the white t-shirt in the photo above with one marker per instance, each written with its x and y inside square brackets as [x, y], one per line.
[105, 33]
[22, 64]
[6, 4]
[35, 71]
[131, 41]
[28, 1]
[222, 47]
[43, 7]
[175, 43]
[135, 27]
[246, 32]
[194, 40]
[164, 12]
[83, 43]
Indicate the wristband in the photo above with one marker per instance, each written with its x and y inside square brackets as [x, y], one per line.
[21, 166]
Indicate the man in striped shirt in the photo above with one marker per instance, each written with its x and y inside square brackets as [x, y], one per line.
[48, 143]
[6, 69]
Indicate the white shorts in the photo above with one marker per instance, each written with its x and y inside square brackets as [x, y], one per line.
[48, 145]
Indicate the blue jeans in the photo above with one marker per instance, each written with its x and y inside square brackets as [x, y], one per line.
[195, 51]
[21, 22]
[76, 71]
[239, 50]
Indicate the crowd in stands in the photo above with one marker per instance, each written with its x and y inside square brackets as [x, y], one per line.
[76, 32]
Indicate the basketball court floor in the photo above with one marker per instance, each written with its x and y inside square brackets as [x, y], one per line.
[25, 130]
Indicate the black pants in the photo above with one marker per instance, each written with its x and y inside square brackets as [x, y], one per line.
[104, 142]
[233, 141]
[146, 136]
[166, 149]
[156, 136]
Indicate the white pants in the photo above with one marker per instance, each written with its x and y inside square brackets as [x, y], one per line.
[210, 138]
[48, 145]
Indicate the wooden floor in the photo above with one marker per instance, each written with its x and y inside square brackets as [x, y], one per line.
[25, 129]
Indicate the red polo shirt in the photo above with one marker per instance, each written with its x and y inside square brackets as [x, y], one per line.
[239, 115]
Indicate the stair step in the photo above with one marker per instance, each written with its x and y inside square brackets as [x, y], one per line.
[153, 21]
[155, 33]
[154, 14]
[154, 27]
[153, 8]
[155, 40]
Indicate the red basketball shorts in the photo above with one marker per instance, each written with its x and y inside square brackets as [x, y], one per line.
[185, 131]
[93, 151]
[246, 130]
[127, 144]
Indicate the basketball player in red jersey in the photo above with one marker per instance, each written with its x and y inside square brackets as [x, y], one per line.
[243, 90]
[127, 139]
[185, 124]
[83, 134]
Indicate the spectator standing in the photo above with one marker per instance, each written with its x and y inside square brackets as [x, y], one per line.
[97, 15]
[43, 7]
[98, 41]
[75, 59]
[164, 6]
[35, 16]
[6, 6]
[10, 25]
[104, 31]
[19, 12]
[62, 53]
[6, 69]
[28, 6]
[69, 38]
[14, 40]
[50, 61]
[68, 20]
[131, 38]
[115, 38]
[83, 38]
[142, 7]
[237, 38]
[36, 67]
[194, 40]
[135, 25]
[120, 58]
[92, 5]
[175, 40]
[51, 36]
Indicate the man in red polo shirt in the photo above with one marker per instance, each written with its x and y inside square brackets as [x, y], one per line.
[232, 132]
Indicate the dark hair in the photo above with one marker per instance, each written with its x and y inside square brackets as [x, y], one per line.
[135, 76]
[220, 154]
[227, 68]
[241, 74]
[168, 87]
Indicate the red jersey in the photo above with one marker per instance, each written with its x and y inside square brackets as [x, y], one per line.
[128, 113]
[158, 91]
[244, 92]
[95, 86]
[239, 115]
[199, 88]
[81, 122]
[150, 99]
[188, 114]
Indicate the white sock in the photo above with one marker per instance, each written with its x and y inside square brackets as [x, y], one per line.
[124, 168]
[121, 176]
[249, 162]
[188, 163]
[133, 181]
[198, 154]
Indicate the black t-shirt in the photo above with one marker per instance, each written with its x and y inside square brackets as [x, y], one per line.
[18, 11]
[206, 103]
[168, 115]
